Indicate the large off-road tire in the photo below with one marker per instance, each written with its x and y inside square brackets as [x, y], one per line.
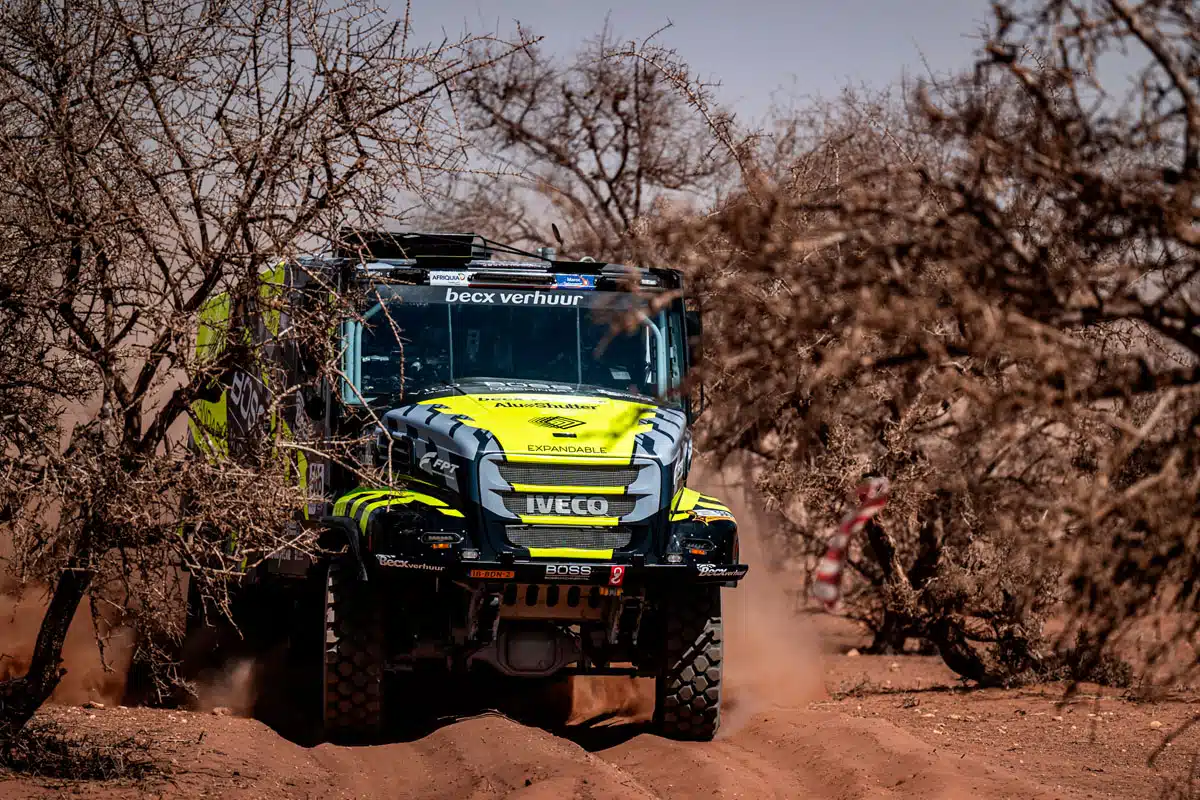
[688, 687]
[352, 676]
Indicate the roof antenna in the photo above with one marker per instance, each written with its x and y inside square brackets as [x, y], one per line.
[548, 252]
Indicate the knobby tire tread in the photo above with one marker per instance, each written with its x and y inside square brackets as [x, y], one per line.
[688, 696]
[353, 658]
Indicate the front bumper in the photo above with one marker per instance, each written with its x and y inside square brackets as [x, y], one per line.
[572, 572]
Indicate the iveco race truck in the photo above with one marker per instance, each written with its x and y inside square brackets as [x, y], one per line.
[532, 426]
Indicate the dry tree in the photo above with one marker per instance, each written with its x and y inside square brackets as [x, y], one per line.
[1003, 320]
[155, 158]
[596, 145]
[985, 289]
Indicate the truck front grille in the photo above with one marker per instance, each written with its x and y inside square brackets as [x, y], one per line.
[569, 475]
[569, 536]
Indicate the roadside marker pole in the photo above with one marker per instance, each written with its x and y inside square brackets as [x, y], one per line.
[827, 587]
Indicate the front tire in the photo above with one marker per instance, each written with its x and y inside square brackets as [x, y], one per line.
[353, 659]
[688, 687]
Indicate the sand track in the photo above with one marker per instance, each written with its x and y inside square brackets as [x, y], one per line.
[779, 739]
[783, 753]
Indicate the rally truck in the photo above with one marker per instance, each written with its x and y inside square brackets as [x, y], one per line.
[531, 420]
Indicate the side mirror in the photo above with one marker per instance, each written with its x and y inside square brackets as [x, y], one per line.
[694, 329]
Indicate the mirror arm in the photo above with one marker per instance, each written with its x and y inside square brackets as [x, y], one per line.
[660, 353]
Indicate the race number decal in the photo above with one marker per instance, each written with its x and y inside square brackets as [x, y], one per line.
[616, 576]
[316, 488]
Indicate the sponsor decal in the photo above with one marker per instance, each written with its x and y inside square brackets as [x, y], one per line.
[575, 281]
[547, 405]
[304, 424]
[492, 574]
[246, 401]
[316, 477]
[578, 572]
[616, 576]
[566, 505]
[567, 448]
[557, 422]
[316, 488]
[400, 563]
[527, 298]
[431, 463]
[448, 278]
[704, 514]
[714, 571]
[516, 386]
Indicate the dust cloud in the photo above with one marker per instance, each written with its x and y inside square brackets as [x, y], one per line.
[615, 698]
[89, 676]
[233, 686]
[773, 658]
[772, 655]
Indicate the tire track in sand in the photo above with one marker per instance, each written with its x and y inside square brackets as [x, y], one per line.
[772, 743]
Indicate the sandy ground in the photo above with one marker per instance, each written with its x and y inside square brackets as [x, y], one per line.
[803, 718]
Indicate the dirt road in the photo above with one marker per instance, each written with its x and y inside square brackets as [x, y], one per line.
[777, 754]
[802, 719]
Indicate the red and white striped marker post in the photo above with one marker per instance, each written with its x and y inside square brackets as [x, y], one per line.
[872, 497]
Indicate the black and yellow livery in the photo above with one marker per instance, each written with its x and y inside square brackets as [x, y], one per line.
[533, 419]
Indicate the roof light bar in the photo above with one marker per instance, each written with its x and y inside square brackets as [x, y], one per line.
[510, 277]
[540, 266]
[384, 266]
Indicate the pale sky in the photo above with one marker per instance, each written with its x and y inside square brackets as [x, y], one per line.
[753, 47]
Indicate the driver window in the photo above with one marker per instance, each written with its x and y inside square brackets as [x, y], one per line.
[378, 363]
[674, 349]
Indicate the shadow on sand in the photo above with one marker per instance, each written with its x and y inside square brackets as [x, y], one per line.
[417, 706]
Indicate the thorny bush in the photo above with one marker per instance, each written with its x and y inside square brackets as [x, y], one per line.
[984, 288]
[47, 749]
[156, 159]
[598, 144]
[988, 292]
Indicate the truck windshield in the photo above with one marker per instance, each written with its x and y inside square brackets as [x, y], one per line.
[418, 338]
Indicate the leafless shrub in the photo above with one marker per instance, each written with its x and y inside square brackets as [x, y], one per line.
[990, 296]
[156, 158]
[597, 145]
[46, 749]
[984, 287]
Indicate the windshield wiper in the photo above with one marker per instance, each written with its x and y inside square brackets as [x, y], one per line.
[439, 386]
[570, 386]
